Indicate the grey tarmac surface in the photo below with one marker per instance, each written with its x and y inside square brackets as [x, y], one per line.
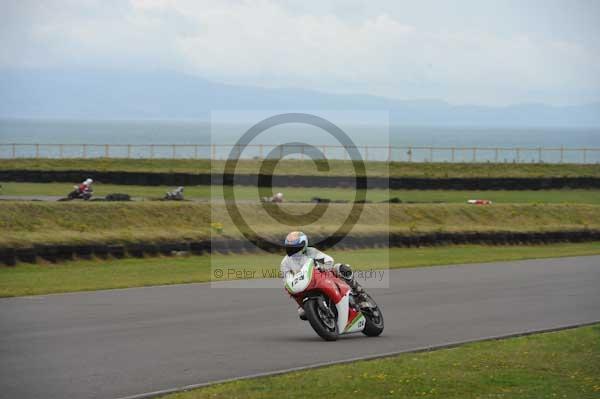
[54, 198]
[115, 343]
[30, 197]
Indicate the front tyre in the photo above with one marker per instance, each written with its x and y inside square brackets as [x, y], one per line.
[373, 319]
[321, 320]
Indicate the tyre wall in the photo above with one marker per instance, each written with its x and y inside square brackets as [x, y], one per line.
[410, 183]
[58, 253]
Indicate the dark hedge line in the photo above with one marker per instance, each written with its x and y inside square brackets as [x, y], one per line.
[415, 183]
[56, 253]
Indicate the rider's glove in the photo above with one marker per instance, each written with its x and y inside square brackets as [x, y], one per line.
[320, 264]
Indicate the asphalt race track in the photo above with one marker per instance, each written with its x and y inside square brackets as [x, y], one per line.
[117, 343]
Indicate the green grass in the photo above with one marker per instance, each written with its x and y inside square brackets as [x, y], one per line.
[305, 194]
[27, 223]
[337, 168]
[86, 275]
[564, 364]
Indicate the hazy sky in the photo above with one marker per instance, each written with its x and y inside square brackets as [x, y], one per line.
[477, 52]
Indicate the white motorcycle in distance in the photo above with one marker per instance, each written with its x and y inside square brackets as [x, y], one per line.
[329, 304]
[175, 195]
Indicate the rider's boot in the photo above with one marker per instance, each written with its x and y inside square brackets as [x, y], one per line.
[360, 293]
[301, 313]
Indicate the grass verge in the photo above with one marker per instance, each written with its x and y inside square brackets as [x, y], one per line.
[299, 167]
[304, 194]
[91, 275]
[563, 364]
[27, 223]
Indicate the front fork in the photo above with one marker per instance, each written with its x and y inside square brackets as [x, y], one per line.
[322, 302]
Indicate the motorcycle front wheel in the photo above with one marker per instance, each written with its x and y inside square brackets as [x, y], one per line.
[321, 320]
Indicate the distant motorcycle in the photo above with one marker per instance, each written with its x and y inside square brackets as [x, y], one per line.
[175, 195]
[329, 304]
[277, 198]
[81, 191]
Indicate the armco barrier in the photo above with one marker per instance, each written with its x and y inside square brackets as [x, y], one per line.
[10, 256]
[409, 183]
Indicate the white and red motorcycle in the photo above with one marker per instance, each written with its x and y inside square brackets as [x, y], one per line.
[329, 304]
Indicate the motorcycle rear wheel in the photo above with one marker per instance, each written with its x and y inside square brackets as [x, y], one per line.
[373, 319]
[319, 322]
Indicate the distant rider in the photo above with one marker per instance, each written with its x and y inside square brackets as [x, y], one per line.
[298, 252]
[277, 198]
[86, 186]
[176, 194]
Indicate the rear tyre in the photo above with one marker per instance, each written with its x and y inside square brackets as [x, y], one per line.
[321, 322]
[373, 319]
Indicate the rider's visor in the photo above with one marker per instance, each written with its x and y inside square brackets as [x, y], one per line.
[292, 249]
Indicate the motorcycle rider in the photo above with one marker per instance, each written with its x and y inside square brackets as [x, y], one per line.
[176, 194]
[277, 198]
[85, 188]
[298, 252]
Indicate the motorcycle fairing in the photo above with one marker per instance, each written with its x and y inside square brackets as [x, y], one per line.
[349, 320]
[300, 281]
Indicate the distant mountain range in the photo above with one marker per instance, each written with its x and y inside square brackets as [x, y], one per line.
[169, 95]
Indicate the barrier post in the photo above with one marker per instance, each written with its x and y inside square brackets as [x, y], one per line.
[409, 153]
[562, 153]
[213, 152]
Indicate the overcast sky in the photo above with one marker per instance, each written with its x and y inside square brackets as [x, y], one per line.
[475, 52]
